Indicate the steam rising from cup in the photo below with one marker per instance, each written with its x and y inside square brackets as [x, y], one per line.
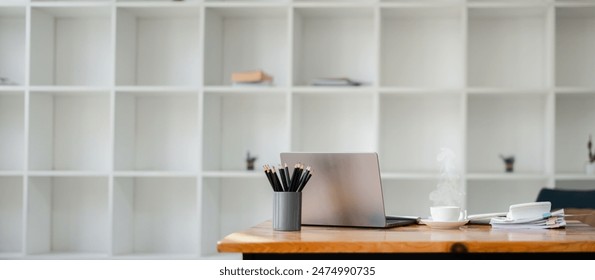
[448, 191]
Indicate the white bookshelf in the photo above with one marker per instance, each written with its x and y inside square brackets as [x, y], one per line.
[122, 136]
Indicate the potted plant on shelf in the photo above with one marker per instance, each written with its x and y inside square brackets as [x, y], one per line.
[590, 165]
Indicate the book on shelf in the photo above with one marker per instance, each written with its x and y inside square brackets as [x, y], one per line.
[334, 82]
[255, 76]
[548, 220]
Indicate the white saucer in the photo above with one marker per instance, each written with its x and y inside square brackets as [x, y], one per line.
[444, 225]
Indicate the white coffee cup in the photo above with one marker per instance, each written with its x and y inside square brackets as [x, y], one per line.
[445, 213]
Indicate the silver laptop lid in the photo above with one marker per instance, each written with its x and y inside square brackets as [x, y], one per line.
[345, 189]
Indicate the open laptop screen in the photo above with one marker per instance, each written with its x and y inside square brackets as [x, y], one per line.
[345, 189]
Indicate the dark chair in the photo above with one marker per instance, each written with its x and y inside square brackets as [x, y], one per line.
[574, 202]
[568, 198]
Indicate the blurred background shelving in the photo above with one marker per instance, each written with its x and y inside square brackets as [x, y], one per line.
[122, 135]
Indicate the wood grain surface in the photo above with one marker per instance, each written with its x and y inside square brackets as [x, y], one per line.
[410, 239]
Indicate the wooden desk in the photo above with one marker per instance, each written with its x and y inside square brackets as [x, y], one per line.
[262, 242]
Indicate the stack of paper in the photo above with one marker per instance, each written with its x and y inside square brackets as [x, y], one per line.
[548, 220]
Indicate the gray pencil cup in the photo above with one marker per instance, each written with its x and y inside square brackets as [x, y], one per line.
[287, 211]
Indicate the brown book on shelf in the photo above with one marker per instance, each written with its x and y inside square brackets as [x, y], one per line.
[250, 77]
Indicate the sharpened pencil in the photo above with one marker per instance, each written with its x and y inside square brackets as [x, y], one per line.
[276, 180]
[294, 178]
[266, 172]
[305, 182]
[304, 177]
[283, 179]
[296, 182]
[287, 179]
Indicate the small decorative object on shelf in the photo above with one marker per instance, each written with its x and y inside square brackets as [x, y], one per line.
[508, 163]
[250, 161]
[590, 165]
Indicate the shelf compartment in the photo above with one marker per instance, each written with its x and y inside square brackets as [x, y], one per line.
[414, 129]
[237, 123]
[68, 215]
[508, 125]
[11, 215]
[409, 57]
[333, 123]
[334, 42]
[245, 39]
[232, 204]
[69, 131]
[12, 45]
[497, 196]
[156, 131]
[507, 47]
[68, 46]
[575, 40]
[574, 124]
[172, 58]
[155, 216]
[12, 131]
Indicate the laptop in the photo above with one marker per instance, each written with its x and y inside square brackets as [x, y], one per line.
[345, 190]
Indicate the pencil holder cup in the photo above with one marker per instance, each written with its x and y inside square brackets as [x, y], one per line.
[287, 211]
